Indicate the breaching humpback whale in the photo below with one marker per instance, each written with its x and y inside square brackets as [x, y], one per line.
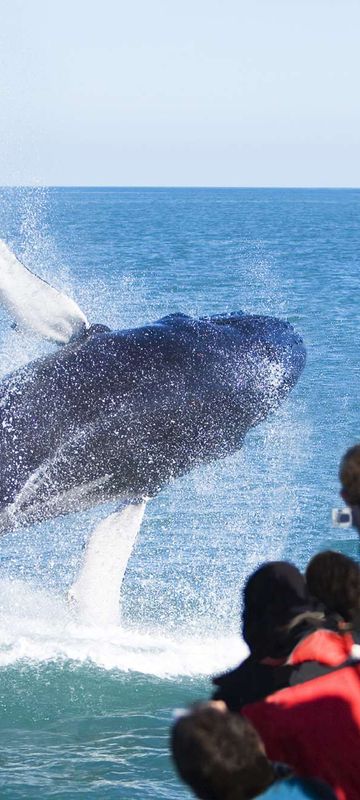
[117, 414]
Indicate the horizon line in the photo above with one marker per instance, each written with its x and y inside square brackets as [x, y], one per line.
[169, 186]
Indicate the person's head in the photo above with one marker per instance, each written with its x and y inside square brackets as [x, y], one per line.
[349, 474]
[276, 602]
[219, 754]
[334, 579]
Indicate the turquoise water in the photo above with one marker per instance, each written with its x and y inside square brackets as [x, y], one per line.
[85, 710]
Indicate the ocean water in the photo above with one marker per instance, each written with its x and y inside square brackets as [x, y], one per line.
[84, 709]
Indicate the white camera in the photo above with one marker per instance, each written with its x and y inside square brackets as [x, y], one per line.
[341, 517]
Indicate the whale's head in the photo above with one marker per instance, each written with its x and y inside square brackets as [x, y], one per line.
[266, 356]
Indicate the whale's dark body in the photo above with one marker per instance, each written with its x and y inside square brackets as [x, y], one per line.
[118, 414]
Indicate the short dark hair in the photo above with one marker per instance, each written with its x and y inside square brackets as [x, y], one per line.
[220, 755]
[334, 579]
[349, 474]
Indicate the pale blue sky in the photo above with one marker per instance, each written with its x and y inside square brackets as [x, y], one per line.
[180, 92]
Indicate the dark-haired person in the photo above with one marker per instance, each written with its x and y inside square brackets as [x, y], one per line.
[277, 613]
[221, 757]
[334, 579]
[349, 474]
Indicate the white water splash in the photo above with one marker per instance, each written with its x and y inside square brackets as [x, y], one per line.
[36, 626]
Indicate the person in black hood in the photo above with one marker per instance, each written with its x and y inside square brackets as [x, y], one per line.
[278, 611]
[277, 614]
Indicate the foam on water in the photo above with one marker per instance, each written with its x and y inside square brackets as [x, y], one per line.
[36, 626]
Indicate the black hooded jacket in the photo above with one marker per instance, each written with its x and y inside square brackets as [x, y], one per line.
[278, 614]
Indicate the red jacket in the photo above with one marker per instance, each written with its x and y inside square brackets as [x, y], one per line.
[315, 726]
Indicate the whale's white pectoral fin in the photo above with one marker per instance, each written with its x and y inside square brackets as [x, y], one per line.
[96, 592]
[36, 305]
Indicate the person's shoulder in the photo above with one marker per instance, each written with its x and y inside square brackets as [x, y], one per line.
[249, 682]
[299, 789]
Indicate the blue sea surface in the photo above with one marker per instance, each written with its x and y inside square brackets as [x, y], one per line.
[85, 711]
